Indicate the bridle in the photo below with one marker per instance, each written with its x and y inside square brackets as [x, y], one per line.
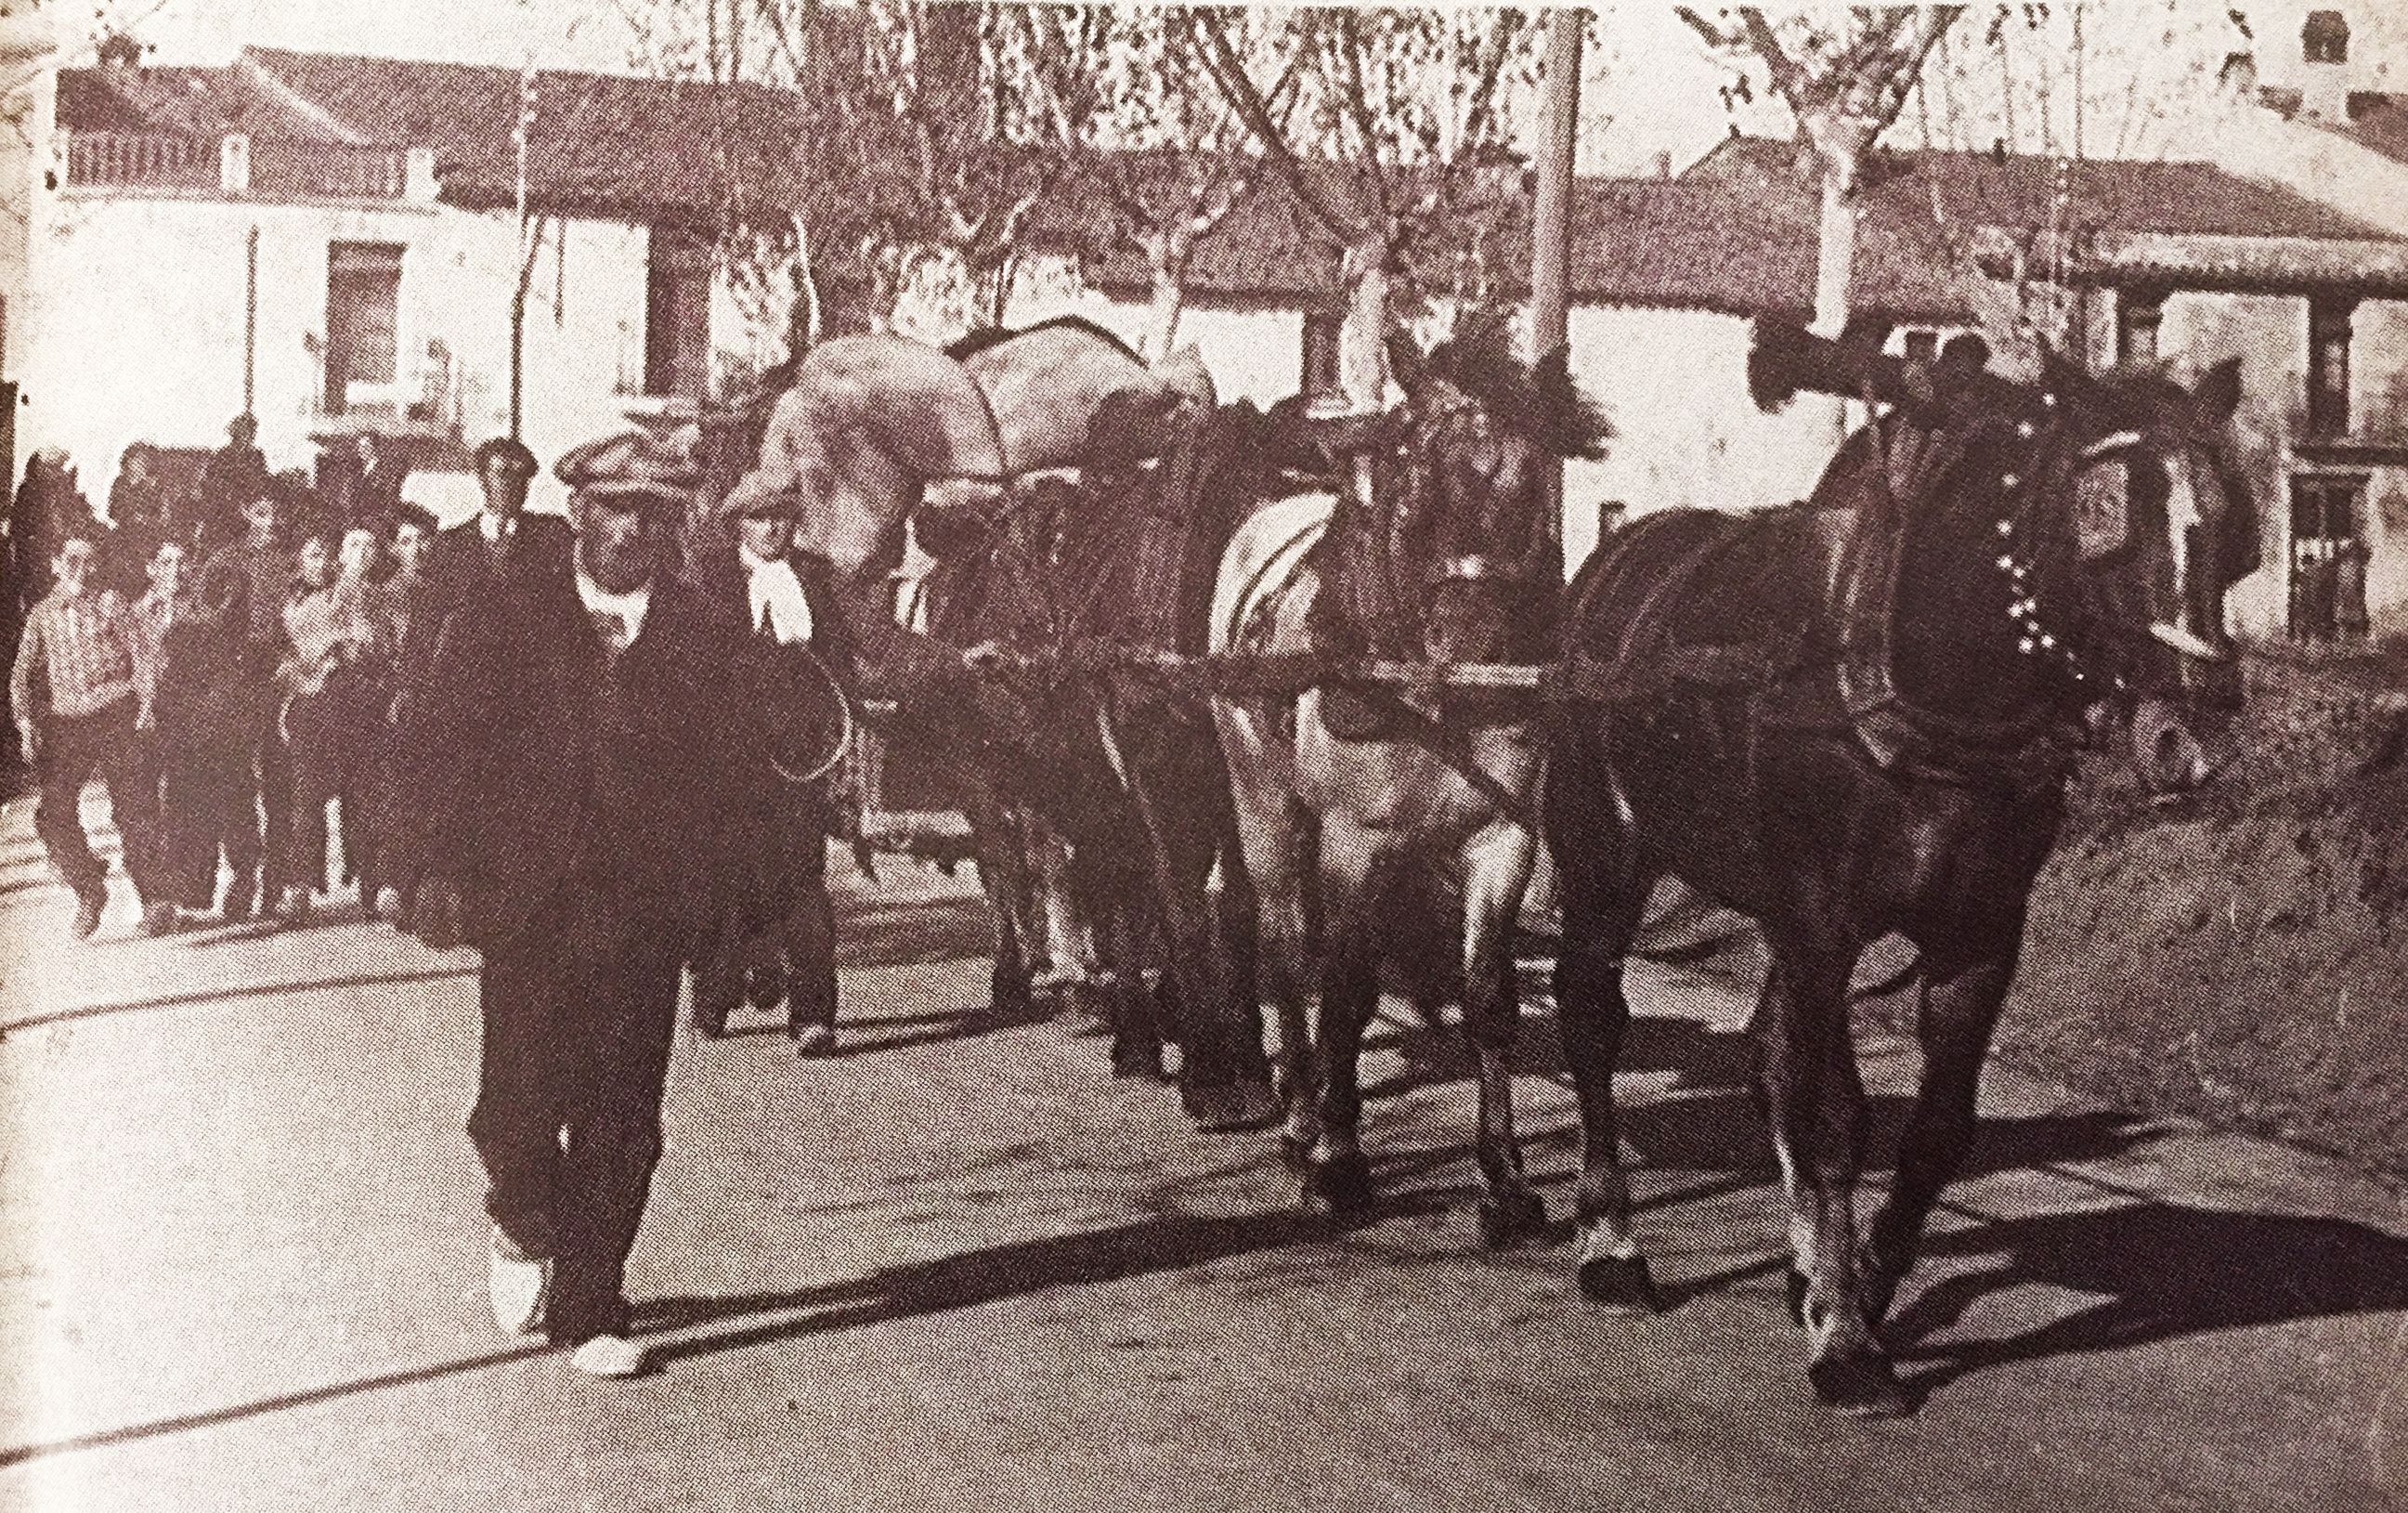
[1397, 502]
[2035, 492]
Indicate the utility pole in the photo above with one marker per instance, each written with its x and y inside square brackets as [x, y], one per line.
[527, 249]
[1551, 226]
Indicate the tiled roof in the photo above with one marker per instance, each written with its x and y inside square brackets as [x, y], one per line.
[599, 141]
[177, 102]
[2377, 120]
[602, 143]
[2018, 190]
[1636, 241]
[1737, 233]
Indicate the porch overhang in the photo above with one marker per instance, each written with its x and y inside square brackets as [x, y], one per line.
[2368, 268]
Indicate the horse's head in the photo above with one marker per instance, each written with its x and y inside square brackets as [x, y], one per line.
[1460, 493]
[2116, 546]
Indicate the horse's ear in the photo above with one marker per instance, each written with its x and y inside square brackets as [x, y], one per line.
[2218, 394]
[1407, 365]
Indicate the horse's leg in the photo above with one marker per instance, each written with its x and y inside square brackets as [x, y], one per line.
[1223, 1079]
[1816, 1101]
[1497, 871]
[1338, 1177]
[1066, 906]
[1603, 899]
[1956, 1010]
[995, 841]
[1273, 873]
[1136, 1039]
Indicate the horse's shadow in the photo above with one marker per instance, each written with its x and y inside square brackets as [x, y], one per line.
[2156, 1270]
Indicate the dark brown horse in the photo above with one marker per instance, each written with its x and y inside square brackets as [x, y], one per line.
[1123, 769]
[1856, 717]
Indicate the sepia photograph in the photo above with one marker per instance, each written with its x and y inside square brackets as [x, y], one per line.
[904, 755]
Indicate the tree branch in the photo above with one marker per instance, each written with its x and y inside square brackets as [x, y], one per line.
[1228, 75]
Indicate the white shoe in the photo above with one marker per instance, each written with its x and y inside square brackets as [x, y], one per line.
[519, 1285]
[613, 1356]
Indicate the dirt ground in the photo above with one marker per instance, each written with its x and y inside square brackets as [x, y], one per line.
[2242, 956]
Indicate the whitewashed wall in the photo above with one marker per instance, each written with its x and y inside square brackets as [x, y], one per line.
[2270, 335]
[136, 327]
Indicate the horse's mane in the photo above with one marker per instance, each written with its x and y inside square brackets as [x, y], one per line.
[982, 337]
[1538, 400]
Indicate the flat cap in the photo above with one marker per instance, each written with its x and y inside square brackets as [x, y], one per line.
[634, 466]
[508, 448]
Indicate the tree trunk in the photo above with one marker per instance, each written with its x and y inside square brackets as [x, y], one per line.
[1362, 350]
[1840, 143]
[1169, 298]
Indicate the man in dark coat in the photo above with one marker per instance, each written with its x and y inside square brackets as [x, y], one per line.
[235, 475]
[745, 557]
[500, 544]
[584, 787]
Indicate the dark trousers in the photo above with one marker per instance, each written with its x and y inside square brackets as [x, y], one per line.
[791, 956]
[579, 1011]
[333, 738]
[208, 807]
[72, 749]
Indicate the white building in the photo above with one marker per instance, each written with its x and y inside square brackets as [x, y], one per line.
[334, 245]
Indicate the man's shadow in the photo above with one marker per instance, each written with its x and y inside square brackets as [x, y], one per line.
[973, 1278]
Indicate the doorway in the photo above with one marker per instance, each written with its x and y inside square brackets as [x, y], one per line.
[2329, 553]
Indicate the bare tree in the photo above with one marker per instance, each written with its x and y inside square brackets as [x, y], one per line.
[1401, 135]
[1845, 82]
[1122, 90]
[901, 175]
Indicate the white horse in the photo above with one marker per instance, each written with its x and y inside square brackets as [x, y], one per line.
[1412, 827]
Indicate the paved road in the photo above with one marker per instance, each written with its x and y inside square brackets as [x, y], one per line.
[961, 1267]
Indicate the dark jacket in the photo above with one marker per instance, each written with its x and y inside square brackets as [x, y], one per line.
[543, 766]
[459, 566]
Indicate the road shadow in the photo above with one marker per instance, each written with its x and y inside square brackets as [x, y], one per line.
[234, 994]
[2159, 1271]
[216, 1417]
[1160, 1243]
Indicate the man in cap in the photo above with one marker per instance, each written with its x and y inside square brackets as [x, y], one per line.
[500, 543]
[778, 942]
[579, 791]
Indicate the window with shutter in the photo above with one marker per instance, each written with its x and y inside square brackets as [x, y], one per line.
[1322, 381]
[363, 318]
[677, 315]
[2328, 333]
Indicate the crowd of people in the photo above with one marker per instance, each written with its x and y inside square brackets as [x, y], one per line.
[226, 656]
[593, 748]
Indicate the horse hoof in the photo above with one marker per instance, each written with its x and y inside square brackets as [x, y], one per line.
[1010, 1001]
[1340, 1186]
[1793, 1292]
[1133, 1059]
[1232, 1105]
[1861, 1384]
[1508, 1217]
[1296, 1153]
[1622, 1283]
